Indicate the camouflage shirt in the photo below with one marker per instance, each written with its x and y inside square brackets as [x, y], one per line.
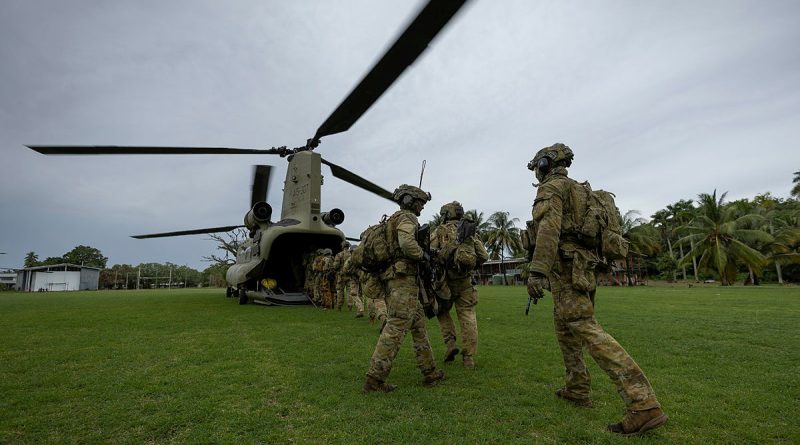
[403, 227]
[339, 260]
[552, 202]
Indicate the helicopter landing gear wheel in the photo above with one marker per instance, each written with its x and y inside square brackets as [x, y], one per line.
[242, 296]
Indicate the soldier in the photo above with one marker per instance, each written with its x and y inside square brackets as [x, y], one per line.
[353, 283]
[341, 280]
[327, 278]
[402, 300]
[559, 263]
[311, 281]
[460, 255]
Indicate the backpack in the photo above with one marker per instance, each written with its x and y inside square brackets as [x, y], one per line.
[374, 252]
[598, 222]
[464, 257]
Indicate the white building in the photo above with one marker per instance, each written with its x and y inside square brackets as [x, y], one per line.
[8, 278]
[58, 277]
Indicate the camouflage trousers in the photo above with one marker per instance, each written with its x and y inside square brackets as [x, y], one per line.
[373, 293]
[377, 309]
[316, 289]
[404, 314]
[464, 297]
[326, 292]
[347, 292]
[577, 329]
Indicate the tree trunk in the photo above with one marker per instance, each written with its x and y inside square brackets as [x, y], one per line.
[778, 271]
[503, 269]
[694, 262]
[629, 270]
[672, 255]
[642, 278]
[680, 246]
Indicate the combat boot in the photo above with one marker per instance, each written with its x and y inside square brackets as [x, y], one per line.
[433, 377]
[638, 422]
[469, 362]
[452, 351]
[373, 384]
[562, 393]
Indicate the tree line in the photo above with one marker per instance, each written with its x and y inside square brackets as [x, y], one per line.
[160, 275]
[747, 240]
[140, 276]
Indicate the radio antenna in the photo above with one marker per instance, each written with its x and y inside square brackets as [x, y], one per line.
[421, 173]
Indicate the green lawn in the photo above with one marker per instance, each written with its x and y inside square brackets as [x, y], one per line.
[189, 366]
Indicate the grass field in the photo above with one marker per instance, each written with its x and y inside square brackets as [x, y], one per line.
[189, 366]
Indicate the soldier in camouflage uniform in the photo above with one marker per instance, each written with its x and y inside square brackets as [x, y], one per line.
[402, 300]
[353, 285]
[341, 280]
[455, 287]
[311, 282]
[373, 293]
[563, 265]
[327, 276]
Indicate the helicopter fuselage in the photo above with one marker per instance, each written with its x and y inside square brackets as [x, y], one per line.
[272, 260]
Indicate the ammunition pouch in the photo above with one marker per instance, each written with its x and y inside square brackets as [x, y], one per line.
[584, 264]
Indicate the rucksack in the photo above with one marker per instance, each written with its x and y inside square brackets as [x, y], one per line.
[374, 252]
[464, 257]
[598, 222]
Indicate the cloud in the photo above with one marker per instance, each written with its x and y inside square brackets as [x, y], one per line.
[660, 102]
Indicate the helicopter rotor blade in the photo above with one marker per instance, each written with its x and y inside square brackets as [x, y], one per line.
[187, 232]
[405, 50]
[136, 150]
[358, 181]
[260, 184]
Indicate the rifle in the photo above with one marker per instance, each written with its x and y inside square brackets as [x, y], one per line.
[528, 307]
[466, 229]
[426, 276]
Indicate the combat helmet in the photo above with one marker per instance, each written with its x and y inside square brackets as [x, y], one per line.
[451, 211]
[406, 194]
[553, 156]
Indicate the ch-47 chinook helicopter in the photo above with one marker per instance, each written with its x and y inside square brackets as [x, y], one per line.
[269, 265]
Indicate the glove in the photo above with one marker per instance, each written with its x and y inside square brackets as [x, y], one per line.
[425, 263]
[426, 257]
[536, 285]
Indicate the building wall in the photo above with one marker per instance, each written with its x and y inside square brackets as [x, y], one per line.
[90, 279]
[56, 280]
[8, 279]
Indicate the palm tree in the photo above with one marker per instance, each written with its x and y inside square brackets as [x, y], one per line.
[502, 236]
[786, 248]
[783, 223]
[642, 236]
[682, 213]
[435, 222]
[481, 226]
[796, 188]
[721, 240]
[663, 222]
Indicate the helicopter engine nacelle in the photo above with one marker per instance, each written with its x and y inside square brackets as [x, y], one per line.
[260, 213]
[333, 218]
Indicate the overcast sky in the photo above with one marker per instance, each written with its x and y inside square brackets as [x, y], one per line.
[659, 100]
